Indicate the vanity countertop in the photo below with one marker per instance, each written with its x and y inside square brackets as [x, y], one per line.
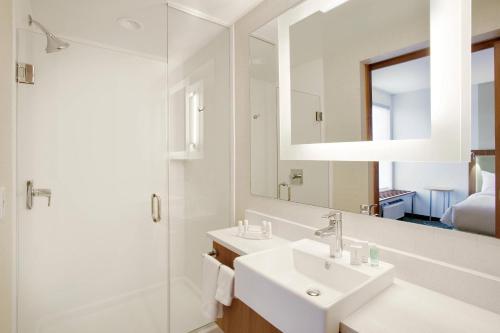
[404, 307]
[227, 237]
[408, 308]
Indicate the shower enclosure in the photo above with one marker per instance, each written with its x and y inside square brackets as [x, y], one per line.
[130, 145]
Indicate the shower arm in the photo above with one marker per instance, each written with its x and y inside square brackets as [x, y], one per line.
[40, 26]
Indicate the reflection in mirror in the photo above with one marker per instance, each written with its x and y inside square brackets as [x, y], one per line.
[458, 196]
[447, 195]
[299, 181]
[264, 113]
[400, 98]
[329, 54]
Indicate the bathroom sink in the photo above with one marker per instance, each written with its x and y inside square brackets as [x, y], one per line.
[298, 288]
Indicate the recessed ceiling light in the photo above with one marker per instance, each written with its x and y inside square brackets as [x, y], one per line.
[129, 24]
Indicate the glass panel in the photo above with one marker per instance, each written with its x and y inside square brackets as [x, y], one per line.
[91, 129]
[199, 186]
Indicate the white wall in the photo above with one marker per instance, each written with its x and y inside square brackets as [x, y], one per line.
[308, 78]
[7, 158]
[263, 118]
[21, 12]
[307, 98]
[411, 115]
[381, 98]
[264, 137]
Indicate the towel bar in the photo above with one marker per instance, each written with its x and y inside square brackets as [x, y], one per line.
[212, 253]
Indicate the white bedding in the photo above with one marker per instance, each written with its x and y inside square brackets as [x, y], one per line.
[474, 214]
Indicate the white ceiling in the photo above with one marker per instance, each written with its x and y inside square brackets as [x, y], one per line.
[263, 59]
[95, 21]
[415, 75]
[405, 77]
[224, 11]
[268, 32]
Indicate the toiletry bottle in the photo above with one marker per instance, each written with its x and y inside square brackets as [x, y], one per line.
[245, 226]
[263, 229]
[240, 228]
[365, 251]
[356, 254]
[269, 231]
[374, 255]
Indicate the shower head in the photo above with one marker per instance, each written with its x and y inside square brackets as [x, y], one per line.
[54, 44]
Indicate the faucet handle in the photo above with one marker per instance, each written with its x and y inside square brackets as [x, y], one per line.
[364, 209]
[367, 209]
[333, 216]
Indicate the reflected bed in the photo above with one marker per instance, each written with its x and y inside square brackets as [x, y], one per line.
[474, 214]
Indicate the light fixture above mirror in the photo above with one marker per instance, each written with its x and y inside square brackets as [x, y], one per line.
[449, 138]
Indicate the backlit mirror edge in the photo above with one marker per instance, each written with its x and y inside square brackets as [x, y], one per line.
[450, 86]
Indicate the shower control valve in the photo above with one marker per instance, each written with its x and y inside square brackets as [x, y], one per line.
[36, 192]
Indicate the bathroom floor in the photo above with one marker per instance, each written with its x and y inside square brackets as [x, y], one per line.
[433, 223]
[212, 328]
[186, 315]
[144, 312]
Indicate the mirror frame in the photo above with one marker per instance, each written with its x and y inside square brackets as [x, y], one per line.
[450, 44]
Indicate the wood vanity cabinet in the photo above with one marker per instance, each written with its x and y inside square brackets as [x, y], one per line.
[239, 318]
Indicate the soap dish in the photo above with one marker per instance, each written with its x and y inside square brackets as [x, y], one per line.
[255, 233]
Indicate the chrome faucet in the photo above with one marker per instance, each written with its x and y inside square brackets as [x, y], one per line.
[334, 228]
[368, 209]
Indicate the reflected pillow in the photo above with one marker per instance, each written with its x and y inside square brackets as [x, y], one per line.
[488, 182]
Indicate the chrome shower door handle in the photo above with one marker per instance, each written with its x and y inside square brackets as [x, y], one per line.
[36, 192]
[156, 208]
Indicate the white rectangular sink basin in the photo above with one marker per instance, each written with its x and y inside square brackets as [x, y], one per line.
[275, 283]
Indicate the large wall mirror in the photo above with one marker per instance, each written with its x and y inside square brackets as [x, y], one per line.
[326, 52]
[449, 195]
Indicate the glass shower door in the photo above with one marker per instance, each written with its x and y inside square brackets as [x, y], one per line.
[199, 149]
[92, 130]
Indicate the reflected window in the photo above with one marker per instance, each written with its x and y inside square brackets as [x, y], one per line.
[381, 123]
[382, 131]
